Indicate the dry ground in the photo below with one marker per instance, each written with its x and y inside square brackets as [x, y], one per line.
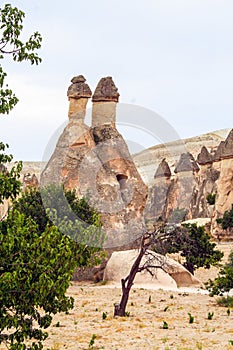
[143, 329]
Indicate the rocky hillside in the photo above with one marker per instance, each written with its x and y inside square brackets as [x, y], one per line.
[148, 160]
[196, 185]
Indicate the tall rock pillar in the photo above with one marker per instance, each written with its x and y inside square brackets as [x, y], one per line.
[78, 94]
[104, 100]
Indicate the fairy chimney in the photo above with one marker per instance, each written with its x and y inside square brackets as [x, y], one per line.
[186, 163]
[78, 94]
[104, 101]
[163, 170]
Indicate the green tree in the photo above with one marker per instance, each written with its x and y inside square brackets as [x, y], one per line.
[224, 282]
[53, 205]
[37, 264]
[193, 243]
[227, 220]
[35, 272]
[11, 26]
[9, 179]
[211, 198]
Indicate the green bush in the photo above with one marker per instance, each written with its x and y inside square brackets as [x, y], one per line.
[227, 220]
[224, 282]
[211, 198]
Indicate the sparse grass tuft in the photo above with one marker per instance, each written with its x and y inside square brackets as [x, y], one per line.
[92, 342]
[225, 301]
[191, 318]
[104, 315]
[210, 315]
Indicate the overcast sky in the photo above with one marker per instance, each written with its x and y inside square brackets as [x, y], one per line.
[173, 57]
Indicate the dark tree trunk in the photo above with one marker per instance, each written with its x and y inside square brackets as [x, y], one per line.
[119, 309]
[127, 283]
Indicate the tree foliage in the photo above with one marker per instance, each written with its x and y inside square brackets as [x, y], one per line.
[37, 261]
[211, 198]
[11, 26]
[227, 220]
[224, 282]
[9, 179]
[193, 243]
[37, 258]
[35, 271]
[53, 205]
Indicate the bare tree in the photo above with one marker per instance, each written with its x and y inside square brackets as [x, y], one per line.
[150, 263]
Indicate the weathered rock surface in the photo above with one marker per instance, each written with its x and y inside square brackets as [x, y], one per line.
[148, 160]
[186, 163]
[30, 181]
[204, 157]
[225, 149]
[170, 274]
[106, 90]
[96, 162]
[78, 94]
[163, 170]
[190, 184]
[79, 88]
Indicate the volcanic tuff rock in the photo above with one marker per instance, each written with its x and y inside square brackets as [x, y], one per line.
[186, 163]
[30, 181]
[96, 162]
[188, 187]
[148, 160]
[184, 190]
[171, 275]
[225, 149]
[106, 91]
[204, 157]
[79, 88]
[78, 94]
[163, 170]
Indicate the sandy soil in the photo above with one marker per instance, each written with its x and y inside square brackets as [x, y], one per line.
[143, 329]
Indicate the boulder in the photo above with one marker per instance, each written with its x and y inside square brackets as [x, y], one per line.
[171, 275]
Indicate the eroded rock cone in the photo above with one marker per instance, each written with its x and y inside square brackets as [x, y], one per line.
[163, 170]
[186, 163]
[204, 157]
[96, 163]
[225, 148]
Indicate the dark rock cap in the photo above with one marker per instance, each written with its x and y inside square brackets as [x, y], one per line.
[186, 163]
[106, 90]
[204, 157]
[163, 170]
[225, 148]
[79, 88]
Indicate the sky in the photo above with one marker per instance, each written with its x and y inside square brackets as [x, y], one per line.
[172, 58]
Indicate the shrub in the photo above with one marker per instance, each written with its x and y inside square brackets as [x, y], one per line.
[211, 198]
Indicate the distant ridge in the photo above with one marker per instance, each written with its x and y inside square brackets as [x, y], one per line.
[148, 160]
